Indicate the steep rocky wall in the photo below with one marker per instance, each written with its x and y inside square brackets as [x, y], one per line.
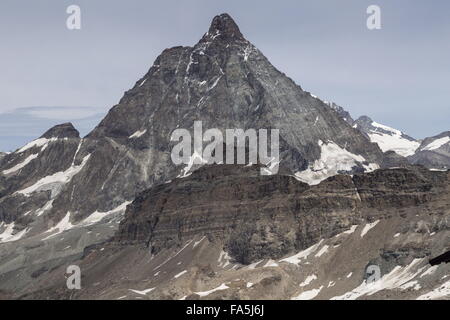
[259, 217]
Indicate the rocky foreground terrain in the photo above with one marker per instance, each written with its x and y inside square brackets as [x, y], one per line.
[226, 232]
[140, 227]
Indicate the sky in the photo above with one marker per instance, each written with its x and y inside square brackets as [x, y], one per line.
[398, 75]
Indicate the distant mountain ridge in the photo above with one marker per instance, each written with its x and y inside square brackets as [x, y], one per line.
[21, 125]
[431, 152]
[387, 138]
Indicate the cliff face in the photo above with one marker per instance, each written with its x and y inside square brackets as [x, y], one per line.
[266, 217]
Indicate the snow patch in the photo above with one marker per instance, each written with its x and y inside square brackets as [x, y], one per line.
[224, 259]
[56, 179]
[194, 159]
[296, 259]
[308, 295]
[321, 251]
[394, 279]
[393, 140]
[270, 263]
[46, 207]
[180, 274]
[333, 160]
[412, 284]
[253, 265]
[142, 292]
[7, 234]
[196, 243]
[98, 216]
[142, 83]
[137, 134]
[429, 271]
[436, 144]
[441, 292]
[351, 230]
[62, 226]
[223, 286]
[21, 165]
[308, 280]
[41, 142]
[215, 83]
[367, 227]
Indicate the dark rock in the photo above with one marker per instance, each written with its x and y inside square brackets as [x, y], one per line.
[65, 130]
[266, 217]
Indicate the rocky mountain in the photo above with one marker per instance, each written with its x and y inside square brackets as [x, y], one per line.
[344, 114]
[115, 204]
[225, 82]
[433, 152]
[387, 138]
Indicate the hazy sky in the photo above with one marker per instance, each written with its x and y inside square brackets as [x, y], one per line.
[398, 75]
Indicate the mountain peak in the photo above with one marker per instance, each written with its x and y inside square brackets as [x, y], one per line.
[64, 130]
[364, 119]
[224, 27]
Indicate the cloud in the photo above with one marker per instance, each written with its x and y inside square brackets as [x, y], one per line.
[20, 126]
[59, 113]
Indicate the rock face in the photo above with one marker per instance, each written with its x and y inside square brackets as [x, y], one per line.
[261, 217]
[34, 176]
[434, 152]
[344, 114]
[65, 130]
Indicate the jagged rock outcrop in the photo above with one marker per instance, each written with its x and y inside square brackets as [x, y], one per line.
[61, 131]
[344, 114]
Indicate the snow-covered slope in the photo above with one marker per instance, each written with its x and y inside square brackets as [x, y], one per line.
[431, 152]
[435, 144]
[434, 152]
[387, 138]
[333, 160]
